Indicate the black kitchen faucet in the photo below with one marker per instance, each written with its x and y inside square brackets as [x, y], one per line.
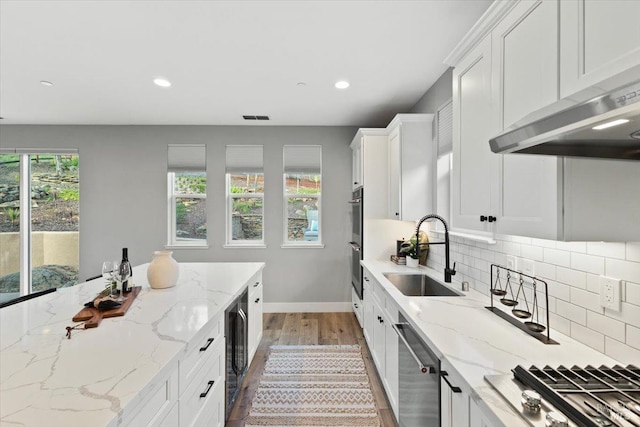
[448, 272]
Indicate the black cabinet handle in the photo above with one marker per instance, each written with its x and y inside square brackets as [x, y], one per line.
[209, 385]
[355, 183]
[366, 279]
[483, 218]
[397, 214]
[492, 218]
[257, 300]
[355, 305]
[256, 284]
[453, 388]
[206, 346]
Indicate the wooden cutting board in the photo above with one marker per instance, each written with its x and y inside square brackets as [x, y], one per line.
[92, 316]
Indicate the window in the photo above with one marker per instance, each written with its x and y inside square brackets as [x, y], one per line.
[245, 195]
[302, 195]
[187, 199]
[39, 221]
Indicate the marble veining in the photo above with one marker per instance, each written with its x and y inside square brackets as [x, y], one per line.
[476, 342]
[101, 375]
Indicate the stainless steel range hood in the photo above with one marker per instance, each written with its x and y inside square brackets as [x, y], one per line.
[566, 128]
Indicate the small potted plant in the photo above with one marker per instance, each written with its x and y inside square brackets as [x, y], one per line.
[408, 249]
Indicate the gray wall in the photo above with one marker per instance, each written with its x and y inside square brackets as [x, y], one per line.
[132, 161]
[438, 94]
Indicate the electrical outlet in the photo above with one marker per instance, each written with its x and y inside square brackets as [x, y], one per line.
[610, 293]
[528, 267]
[512, 262]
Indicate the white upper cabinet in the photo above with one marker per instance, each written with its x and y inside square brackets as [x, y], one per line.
[524, 79]
[356, 162]
[598, 39]
[474, 165]
[411, 166]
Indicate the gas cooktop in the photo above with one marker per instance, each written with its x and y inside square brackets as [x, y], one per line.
[576, 396]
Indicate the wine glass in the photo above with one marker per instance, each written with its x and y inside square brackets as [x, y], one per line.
[108, 271]
[122, 272]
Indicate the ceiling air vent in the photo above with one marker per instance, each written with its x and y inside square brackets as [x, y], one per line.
[255, 117]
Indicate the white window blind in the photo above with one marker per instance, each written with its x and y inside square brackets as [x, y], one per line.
[244, 158]
[187, 158]
[302, 159]
[445, 129]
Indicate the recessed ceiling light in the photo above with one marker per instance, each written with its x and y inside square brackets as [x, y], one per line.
[162, 82]
[610, 124]
[342, 84]
[46, 83]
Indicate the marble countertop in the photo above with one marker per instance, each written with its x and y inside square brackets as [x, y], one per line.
[476, 342]
[100, 375]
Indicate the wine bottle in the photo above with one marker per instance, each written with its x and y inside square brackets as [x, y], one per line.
[125, 259]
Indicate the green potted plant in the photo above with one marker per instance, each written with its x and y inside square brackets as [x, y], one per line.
[408, 249]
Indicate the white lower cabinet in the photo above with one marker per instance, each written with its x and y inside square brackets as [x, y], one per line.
[477, 418]
[454, 398]
[380, 313]
[357, 307]
[255, 313]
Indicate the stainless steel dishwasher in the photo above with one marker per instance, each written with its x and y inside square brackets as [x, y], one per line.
[419, 379]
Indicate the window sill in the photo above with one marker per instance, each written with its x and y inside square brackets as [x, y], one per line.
[186, 246]
[302, 246]
[245, 245]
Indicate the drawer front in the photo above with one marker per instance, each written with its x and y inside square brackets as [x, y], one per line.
[206, 386]
[201, 350]
[357, 306]
[212, 414]
[255, 283]
[158, 405]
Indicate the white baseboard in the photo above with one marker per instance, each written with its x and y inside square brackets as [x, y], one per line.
[307, 307]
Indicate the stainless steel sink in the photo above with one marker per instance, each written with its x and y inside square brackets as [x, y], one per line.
[419, 285]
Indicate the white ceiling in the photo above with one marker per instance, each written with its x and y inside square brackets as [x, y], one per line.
[224, 59]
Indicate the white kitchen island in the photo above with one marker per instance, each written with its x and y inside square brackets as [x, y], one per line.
[130, 370]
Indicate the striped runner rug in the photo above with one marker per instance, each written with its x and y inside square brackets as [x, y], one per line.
[314, 385]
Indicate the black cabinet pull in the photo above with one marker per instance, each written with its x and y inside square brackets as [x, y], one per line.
[206, 346]
[397, 214]
[366, 279]
[256, 284]
[257, 300]
[492, 218]
[453, 388]
[353, 183]
[483, 218]
[355, 305]
[209, 385]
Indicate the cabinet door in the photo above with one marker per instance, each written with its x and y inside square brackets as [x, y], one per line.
[599, 39]
[525, 79]
[475, 166]
[367, 329]
[394, 174]
[454, 404]
[391, 379]
[379, 340]
[356, 164]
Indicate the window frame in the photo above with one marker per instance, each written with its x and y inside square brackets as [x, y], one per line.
[173, 242]
[304, 169]
[229, 197]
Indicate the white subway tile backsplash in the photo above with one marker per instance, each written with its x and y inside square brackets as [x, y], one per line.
[607, 249]
[560, 324]
[557, 257]
[587, 336]
[605, 325]
[572, 312]
[572, 271]
[621, 352]
[628, 313]
[625, 270]
[531, 252]
[632, 295]
[633, 336]
[589, 263]
[573, 246]
[587, 300]
[633, 251]
[571, 277]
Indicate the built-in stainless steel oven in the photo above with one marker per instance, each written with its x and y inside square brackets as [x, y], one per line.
[356, 241]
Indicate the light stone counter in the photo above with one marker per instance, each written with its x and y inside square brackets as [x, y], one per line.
[99, 376]
[476, 342]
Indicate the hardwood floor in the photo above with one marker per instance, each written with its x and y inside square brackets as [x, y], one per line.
[309, 329]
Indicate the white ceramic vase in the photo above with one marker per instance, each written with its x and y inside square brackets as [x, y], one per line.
[163, 270]
[412, 262]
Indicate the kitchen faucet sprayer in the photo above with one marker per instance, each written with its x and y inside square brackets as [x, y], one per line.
[448, 272]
